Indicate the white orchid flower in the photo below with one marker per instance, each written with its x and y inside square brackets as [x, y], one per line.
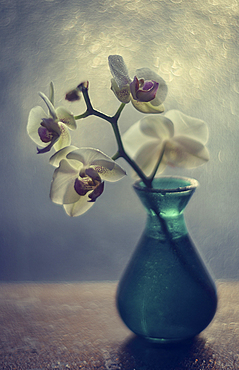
[179, 139]
[79, 179]
[147, 91]
[50, 130]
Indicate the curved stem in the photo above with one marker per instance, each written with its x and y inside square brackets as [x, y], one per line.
[114, 123]
[117, 114]
[83, 115]
[116, 156]
[91, 111]
[151, 177]
[84, 90]
[138, 170]
[121, 153]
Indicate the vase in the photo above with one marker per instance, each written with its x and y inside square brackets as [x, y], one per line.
[166, 293]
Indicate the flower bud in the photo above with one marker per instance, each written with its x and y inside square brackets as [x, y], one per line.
[83, 85]
[73, 95]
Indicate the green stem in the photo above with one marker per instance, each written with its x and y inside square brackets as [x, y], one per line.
[151, 177]
[116, 156]
[87, 98]
[121, 153]
[117, 114]
[114, 123]
[83, 115]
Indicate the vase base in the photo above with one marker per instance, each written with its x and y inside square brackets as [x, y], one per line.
[165, 341]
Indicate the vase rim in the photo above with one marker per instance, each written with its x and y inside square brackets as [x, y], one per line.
[192, 185]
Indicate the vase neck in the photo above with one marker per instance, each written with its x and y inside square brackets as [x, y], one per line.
[161, 228]
[165, 203]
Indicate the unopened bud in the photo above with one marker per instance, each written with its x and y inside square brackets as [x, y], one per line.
[73, 95]
[83, 85]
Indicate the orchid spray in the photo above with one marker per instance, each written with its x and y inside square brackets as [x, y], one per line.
[148, 146]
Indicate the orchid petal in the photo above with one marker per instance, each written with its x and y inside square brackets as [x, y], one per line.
[119, 70]
[191, 127]
[144, 142]
[109, 170]
[148, 107]
[63, 177]
[78, 208]
[51, 93]
[133, 139]
[148, 156]
[88, 155]
[61, 154]
[157, 126]
[34, 121]
[49, 105]
[70, 196]
[66, 117]
[64, 138]
[134, 86]
[185, 152]
[143, 131]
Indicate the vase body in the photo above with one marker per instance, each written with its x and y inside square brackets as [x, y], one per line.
[166, 294]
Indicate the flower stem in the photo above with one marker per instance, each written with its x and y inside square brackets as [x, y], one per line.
[117, 114]
[113, 120]
[116, 156]
[121, 153]
[151, 177]
[83, 115]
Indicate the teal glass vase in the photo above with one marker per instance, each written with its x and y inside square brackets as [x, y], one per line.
[166, 294]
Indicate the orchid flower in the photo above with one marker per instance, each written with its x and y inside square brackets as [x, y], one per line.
[50, 130]
[175, 138]
[79, 178]
[147, 91]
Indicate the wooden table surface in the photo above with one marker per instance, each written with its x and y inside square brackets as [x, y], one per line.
[76, 326]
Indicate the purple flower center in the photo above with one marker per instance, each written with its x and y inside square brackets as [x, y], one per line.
[89, 180]
[45, 135]
[82, 186]
[143, 91]
[148, 85]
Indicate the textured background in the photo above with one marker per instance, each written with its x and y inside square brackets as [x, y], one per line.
[193, 45]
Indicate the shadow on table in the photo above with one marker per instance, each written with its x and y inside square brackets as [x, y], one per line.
[138, 354]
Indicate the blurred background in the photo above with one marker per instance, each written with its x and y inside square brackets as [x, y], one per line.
[193, 45]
